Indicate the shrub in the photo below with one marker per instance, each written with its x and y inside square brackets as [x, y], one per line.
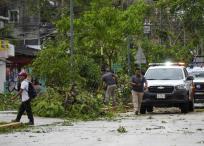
[6, 103]
[84, 105]
[49, 104]
[124, 89]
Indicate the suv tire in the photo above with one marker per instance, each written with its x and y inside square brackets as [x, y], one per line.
[184, 108]
[191, 105]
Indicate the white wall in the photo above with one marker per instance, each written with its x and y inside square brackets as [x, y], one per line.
[2, 75]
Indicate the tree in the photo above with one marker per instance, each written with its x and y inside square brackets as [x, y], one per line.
[103, 30]
[188, 18]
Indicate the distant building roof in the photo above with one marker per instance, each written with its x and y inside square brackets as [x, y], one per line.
[36, 47]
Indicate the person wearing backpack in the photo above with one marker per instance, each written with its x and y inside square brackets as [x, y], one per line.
[25, 99]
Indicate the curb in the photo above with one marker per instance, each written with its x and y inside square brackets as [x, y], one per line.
[8, 112]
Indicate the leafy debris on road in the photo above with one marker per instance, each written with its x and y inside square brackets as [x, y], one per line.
[122, 129]
[67, 123]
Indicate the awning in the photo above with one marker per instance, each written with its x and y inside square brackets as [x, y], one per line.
[36, 47]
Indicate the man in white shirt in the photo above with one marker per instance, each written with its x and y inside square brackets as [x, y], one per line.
[25, 104]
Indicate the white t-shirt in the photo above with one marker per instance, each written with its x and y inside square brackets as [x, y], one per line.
[24, 87]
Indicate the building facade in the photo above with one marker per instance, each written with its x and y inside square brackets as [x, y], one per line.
[19, 26]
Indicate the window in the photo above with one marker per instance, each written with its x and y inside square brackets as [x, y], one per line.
[13, 16]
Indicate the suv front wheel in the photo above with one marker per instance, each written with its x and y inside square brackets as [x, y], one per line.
[191, 105]
[184, 108]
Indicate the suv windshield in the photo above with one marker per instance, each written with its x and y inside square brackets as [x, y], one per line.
[164, 74]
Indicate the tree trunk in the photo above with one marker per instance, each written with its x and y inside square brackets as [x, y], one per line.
[110, 61]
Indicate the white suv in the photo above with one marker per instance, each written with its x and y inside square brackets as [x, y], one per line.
[169, 85]
[198, 73]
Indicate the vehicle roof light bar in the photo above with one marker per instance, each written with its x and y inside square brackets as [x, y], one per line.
[167, 64]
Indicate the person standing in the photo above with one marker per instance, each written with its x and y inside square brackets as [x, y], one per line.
[138, 83]
[25, 100]
[109, 78]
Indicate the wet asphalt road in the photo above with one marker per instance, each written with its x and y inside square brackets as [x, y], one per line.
[161, 128]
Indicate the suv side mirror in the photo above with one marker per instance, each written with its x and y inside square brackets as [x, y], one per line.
[190, 78]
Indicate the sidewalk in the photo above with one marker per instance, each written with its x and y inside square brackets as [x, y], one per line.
[7, 116]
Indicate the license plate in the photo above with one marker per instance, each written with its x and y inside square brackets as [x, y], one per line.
[160, 96]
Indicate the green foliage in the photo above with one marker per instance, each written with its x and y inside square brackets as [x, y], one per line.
[54, 65]
[99, 31]
[45, 108]
[124, 89]
[86, 106]
[187, 14]
[90, 72]
[49, 104]
[159, 53]
[7, 104]
[122, 129]
[132, 19]
[102, 31]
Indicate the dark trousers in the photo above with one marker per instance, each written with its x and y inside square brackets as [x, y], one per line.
[25, 106]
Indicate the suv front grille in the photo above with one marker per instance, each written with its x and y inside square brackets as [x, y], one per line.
[199, 86]
[161, 89]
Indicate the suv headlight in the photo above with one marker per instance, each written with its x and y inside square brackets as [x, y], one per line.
[179, 87]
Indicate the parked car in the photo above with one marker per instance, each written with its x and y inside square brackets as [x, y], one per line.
[198, 73]
[169, 85]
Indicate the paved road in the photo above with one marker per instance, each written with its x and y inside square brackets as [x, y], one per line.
[157, 129]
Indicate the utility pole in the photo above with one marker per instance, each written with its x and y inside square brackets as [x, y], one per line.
[71, 27]
[39, 20]
[160, 19]
[184, 36]
[128, 54]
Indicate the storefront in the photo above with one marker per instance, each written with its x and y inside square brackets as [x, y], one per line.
[6, 50]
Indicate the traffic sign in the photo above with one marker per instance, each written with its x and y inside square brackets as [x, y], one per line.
[116, 67]
[140, 57]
